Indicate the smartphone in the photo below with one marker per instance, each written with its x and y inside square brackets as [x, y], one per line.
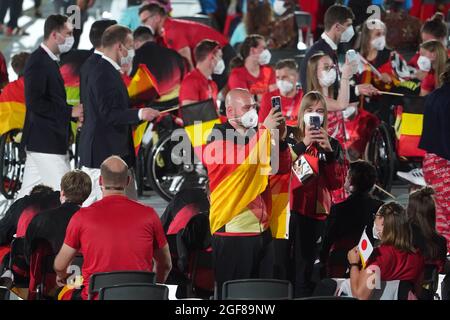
[315, 122]
[352, 55]
[276, 103]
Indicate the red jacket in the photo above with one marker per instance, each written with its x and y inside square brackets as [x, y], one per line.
[307, 199]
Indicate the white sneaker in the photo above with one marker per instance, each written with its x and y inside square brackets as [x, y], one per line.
[414, 176]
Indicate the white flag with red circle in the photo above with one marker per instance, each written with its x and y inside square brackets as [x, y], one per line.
[365, 248]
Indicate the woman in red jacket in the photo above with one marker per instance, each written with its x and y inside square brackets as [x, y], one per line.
[311, 194]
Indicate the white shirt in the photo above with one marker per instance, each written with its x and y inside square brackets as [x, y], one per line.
[98, 52]
[52, 56]
[117, 67]
[330, 42]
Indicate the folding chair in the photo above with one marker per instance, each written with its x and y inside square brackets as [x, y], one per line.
[257, 289]
[135, 292]
[108, 279]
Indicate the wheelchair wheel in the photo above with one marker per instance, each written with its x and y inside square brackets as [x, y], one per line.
[167, 174]
[380, 152]
[12, 164]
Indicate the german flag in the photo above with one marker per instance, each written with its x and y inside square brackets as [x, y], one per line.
[280, 210]
[409, 125]
[12, 106]
[143, 86]
[199, 119]
[235, 184]
[138, 136]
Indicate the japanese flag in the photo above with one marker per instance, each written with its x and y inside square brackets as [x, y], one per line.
[365, 248]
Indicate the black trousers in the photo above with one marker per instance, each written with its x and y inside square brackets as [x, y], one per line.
[15, 11]
[242, 258]
[306, 233]
[228, 55]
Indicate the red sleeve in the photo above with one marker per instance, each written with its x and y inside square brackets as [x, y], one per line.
[189, 90]
[334, 173]
[159, 238]
[273, 77]
[237, 80]
[266, 105]
[24, 221]
[73, 232]
[176, 40]
[428, 83]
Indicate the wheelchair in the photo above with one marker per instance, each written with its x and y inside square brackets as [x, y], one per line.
[392, 144]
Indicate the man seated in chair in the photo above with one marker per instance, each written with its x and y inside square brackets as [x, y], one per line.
[114, 234]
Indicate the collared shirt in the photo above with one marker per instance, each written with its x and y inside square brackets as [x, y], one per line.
[52, 56]
[329, 41]
[114, 64]
[98, 52]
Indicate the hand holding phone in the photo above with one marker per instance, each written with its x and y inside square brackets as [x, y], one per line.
[315, 122]
[276, 103]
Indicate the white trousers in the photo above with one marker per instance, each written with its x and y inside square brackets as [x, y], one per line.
[43, 168]
[96, 193]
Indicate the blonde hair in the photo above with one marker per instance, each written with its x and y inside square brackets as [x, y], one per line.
[308, 100]
[312, 80]
[368, 26]
[435, 46]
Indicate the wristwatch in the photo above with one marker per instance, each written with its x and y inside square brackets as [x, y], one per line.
[354, 265]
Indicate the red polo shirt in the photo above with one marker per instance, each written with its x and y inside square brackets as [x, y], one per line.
[115, 234]
[289, 106]
[429, 82]
[197, 87]
[241, 78]
[178, 34]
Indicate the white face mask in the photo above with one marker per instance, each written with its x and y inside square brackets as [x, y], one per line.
[67, 45]
[285, 86]
[249, 119]
[376, 233]
[220, 67]
[264, 57]
[279, 8]
[424, 63]
[379, 43]
[327, 78]
[128, 60]
[348, 34]
[307, 117]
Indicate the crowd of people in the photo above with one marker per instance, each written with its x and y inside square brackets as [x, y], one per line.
[289, 195]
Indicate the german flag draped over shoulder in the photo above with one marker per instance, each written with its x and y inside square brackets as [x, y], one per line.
[238, 173]
[199, 119]
[12, 106]
[280, 209]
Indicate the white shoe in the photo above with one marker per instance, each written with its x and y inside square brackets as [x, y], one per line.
[414, 176]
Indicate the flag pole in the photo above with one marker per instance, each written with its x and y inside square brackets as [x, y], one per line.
[385, 192]
[170, 110]
[392, 93]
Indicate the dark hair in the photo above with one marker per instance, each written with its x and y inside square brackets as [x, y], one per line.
[54, 22]
[98, 29]
[112, 178]
[258, 17]
[115, 34]
[153, 8]
[445, 76]
[337, 14]
[77, 186]
[436, 26]
[422, 214]
[362, 175]
[204, 48]
[252, 41]
[143, 34]
[18, 62]
[40, 188]
[396, 227]
[287, 63]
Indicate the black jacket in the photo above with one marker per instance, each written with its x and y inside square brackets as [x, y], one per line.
[348, 219]
[50, 226]
[47, 121]
[90, 63]
[107, 117]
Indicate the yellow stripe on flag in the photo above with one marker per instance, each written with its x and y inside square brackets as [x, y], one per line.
[12, 116]
[170, 95]
[138, 134]
[141, 83]
[199, 132]
[412, 124]
[232, 195]
[279, 220]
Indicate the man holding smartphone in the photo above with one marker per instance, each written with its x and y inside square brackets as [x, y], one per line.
[288, 95]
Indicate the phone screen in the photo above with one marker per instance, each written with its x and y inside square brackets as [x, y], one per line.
[276, 103]
[315, 122]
